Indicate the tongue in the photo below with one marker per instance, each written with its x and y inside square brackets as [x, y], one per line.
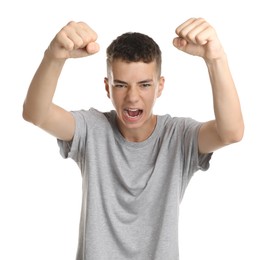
[133, 113]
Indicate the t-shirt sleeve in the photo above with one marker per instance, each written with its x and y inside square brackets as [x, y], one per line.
[194, 160]
[191, 161]
[70, 149]
[84, 121]
[203, 160]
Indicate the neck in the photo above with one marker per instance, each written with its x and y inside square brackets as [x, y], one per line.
[139, 134]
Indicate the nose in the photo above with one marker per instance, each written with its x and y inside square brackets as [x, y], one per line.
[132, 94]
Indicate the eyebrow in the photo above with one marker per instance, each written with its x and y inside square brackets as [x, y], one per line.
[119, 81]
[140, 82]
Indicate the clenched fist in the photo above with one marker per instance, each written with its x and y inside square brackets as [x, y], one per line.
[75, 40]
[197, 37]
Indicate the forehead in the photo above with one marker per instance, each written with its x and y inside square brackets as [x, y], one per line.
[125, 71]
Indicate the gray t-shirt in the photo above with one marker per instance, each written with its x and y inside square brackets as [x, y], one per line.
[132, 190]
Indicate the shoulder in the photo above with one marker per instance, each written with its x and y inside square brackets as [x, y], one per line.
[92, 121]
[181, 123]
[92, 115]
[178, 130]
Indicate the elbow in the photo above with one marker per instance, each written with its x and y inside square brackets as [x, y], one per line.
[237, 137]
[239, 133]
[25, 114]
[233, 136]
[28, 115]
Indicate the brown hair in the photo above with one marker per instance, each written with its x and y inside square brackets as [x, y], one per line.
[134, 47]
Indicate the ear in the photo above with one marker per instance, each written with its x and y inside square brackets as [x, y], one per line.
[106, 85]
[160, 86]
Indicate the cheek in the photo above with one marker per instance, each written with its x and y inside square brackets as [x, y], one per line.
[116, 97]
[151, 99]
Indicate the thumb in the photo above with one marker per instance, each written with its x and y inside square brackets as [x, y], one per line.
[179, 43]
[188, 47]
[92, 48]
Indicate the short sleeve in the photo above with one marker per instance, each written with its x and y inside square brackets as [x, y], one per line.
[194, 161]
[84, 122]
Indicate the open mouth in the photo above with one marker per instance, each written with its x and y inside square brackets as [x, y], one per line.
[133, 112]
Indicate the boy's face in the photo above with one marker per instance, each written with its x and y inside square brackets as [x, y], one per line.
[133, 88]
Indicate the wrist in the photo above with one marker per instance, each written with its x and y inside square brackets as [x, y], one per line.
[52, 59]
[216, 60]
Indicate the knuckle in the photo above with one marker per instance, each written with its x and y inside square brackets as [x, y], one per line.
[69, 46]
[182, 33]
[78, 43]
[198, 39]
[190, 36]
[71, 23]
[61, 34]
[200, 19]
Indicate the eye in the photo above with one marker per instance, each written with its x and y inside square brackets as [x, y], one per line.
[119, 85]
[146, 85]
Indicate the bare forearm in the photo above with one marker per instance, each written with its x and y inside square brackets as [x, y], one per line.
[41, 90]
[229, 120]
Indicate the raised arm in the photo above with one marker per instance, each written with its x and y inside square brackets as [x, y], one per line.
[75, 40]
[197, 37]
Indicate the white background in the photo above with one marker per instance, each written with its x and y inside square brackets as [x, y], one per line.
[225, 213]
